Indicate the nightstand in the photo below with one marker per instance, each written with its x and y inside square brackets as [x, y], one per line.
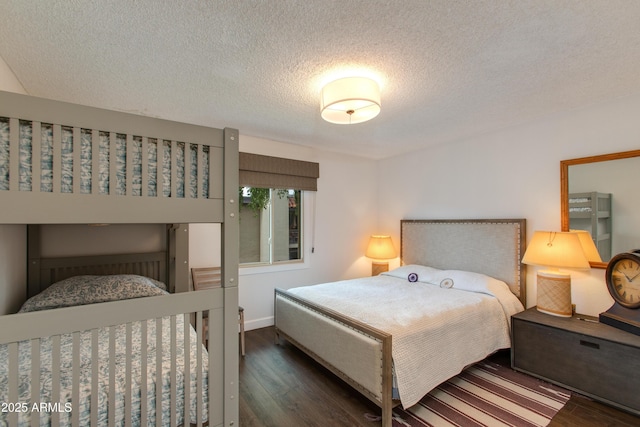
[579, 354]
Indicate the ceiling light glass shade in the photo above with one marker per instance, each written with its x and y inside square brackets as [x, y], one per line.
[350, 100]
[380, 247]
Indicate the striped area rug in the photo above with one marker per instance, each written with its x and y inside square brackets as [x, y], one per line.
[486, 394]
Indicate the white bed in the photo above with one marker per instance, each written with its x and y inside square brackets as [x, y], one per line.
[372, 333]
[68, 164]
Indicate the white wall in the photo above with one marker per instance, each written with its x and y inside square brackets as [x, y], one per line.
[8, 81]
[513, 173]
[204, 245]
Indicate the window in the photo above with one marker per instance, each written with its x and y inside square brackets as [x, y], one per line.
[271, 194]
[270, 225]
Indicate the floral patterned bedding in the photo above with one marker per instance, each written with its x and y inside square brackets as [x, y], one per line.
[105, 181]
[81, 290]
[90, 289]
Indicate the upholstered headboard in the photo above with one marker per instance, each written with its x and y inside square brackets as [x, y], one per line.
[489, 246]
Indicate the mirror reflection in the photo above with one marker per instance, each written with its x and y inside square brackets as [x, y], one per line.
[599, 195]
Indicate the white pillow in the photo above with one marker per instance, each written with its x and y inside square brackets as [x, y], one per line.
[463, 280]
[470, 281]
[414, 273]
[480, 283]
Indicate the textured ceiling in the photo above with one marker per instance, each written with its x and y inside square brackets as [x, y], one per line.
[448, 69]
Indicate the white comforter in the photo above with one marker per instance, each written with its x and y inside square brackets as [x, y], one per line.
[437, 331]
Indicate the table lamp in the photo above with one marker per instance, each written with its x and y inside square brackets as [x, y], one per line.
[554, 250]
[380, 250]
[588, 246]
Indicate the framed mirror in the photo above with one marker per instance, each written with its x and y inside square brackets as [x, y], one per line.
[599, 194]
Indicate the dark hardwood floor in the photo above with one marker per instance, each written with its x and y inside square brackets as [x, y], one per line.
[584, 412]
[280, 386]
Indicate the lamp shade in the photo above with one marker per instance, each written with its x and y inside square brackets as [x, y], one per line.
[350, 100]
[381, 248]
[589, 248]
[555, 249]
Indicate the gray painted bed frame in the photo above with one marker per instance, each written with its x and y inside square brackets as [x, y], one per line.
[489, 246]
[36, 207]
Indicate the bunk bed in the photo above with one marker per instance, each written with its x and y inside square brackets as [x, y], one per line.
[387, 348]
[591, 211]
[70, 364]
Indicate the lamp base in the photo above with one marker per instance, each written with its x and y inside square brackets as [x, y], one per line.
[379, 267]
[554, 293]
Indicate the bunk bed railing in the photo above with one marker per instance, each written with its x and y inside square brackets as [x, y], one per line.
[170, 349]
[58, 155]
[53, 158]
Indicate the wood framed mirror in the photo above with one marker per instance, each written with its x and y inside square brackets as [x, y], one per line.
[599, 194]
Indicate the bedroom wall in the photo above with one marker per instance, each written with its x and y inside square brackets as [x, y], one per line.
[8, 81]
[510, 174]
[204, 245]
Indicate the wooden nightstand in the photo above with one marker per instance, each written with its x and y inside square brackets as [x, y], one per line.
[588, 357]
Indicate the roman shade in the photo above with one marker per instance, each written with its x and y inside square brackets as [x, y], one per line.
[275, 172]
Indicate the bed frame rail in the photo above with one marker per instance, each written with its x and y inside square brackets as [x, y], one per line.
[339, 345]
[59, 381]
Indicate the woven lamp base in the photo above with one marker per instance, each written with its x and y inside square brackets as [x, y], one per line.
[379, 267]
[554, 293]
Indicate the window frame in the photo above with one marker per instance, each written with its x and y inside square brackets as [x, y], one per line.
[285, 265]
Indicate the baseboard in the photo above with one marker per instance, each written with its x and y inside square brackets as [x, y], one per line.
[258, 323]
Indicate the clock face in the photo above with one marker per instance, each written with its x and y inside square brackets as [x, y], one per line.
[624, 281]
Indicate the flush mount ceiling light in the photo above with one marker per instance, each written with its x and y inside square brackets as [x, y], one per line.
[350, 100]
